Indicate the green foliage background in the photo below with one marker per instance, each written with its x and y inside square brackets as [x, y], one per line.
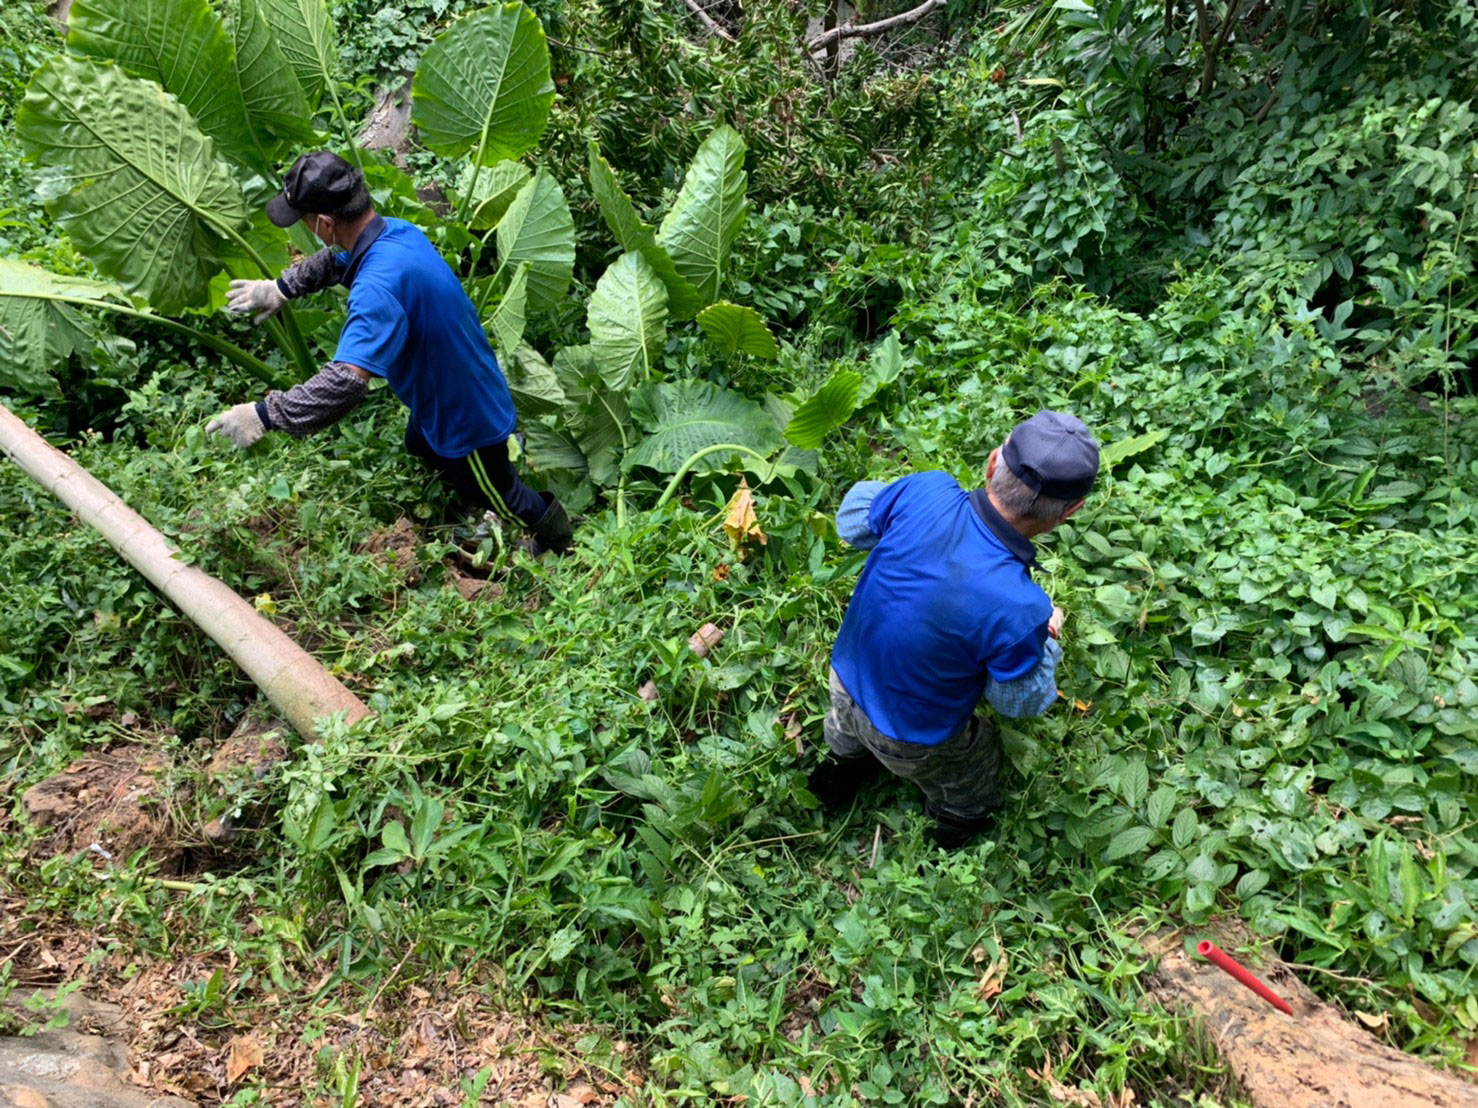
[1271, 323]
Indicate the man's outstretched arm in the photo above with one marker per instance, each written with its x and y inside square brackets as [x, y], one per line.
[325, 398]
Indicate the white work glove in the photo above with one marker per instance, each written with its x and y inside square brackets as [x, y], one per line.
[262, 297]
[239, 424]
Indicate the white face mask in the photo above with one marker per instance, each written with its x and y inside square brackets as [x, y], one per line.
[317, 229]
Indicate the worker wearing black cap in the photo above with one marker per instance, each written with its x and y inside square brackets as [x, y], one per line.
[945, 613]
[409, 322]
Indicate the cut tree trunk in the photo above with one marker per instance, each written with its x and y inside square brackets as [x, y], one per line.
[299, 686]
[1312, 1059]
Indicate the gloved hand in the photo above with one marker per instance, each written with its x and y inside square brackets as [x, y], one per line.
[239, 424]
[1054, 625]
[262, 297]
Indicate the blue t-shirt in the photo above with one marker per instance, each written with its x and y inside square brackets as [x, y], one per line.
[942, 603]
[411, 323]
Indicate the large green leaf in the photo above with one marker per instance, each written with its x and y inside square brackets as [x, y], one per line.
[537, 228]
[709, 211]
[1115, 452]
[825, 410]
[683, 299]
[603, 429]
[883, 367]
[493, 190]
[627, 317]
[182, 45]
[553, 448]
[599, 418]
[483, 86]
[509, 319]
[684, 417]
[533, 383]
[132, 179]
[271, 91]
[575, 368]
[304, 32]
[733, 328]
[38, 328]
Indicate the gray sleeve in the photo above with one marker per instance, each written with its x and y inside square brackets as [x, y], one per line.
[852, 517]
[325, 398]
[311, 274]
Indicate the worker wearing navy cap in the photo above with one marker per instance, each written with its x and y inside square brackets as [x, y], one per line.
[409, 322]
[945, 613]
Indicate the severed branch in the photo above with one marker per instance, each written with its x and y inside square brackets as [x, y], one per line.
[708, 21]
[863, 30]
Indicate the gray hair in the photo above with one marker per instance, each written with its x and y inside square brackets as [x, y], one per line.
[1017, 500]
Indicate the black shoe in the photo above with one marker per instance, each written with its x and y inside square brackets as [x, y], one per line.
[950, 832]
[553, 531]
[837, 780]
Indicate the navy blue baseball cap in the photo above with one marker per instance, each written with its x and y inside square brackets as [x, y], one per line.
[1053, 454]
[319, 183]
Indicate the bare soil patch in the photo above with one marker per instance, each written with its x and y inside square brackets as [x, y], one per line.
[111, 804]
[414, 1045]
[396, 547]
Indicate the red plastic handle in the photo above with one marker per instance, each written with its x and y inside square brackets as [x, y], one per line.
[1224, 961]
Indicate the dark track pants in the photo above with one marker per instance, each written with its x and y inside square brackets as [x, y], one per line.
[483, 479]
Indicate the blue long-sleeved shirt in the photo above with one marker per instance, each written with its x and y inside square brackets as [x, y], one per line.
[945, 611]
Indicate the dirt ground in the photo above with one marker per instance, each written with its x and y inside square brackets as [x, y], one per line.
[111, 804]
[415, 1044]
[202, 1026]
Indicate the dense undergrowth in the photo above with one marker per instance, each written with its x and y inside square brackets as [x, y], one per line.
[1270, 709]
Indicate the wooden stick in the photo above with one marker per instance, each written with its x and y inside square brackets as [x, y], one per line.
[863, 30]
[708, 21]
[300, 688]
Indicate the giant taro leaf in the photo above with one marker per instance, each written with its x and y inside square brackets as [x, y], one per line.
[38, 327]
[627, 317]
[553, 448]
[883, 367]
[483, 86]
[598, 418]
[182, 45]
[533, 383]
[825, 410]
[305, 34]
[709, 211]
[683, 299]
[684, 417]
[537, 228]
[734, 328]
[131, 178]
[508, 319]
[270, 89]
[491, 191]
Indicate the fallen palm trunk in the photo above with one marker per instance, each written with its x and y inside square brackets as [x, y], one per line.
[302, 690]
[1314, 1058]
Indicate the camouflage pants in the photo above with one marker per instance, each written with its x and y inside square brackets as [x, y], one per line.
[957, 777]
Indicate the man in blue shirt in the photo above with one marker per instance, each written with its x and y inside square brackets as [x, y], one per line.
[409, 322]
[946, 612]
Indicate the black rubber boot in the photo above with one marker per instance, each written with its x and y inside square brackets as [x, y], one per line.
[553, 531]
[836, 781]
[950, 832]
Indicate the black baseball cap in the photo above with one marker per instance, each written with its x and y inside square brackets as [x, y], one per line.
[318, 183]
[1053, 454]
